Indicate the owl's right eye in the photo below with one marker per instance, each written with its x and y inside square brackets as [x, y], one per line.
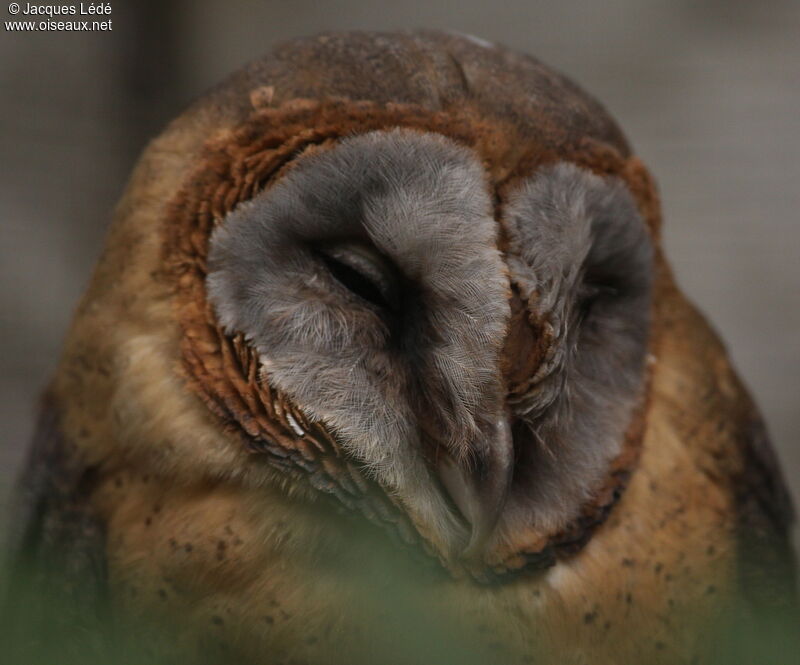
[363, 272]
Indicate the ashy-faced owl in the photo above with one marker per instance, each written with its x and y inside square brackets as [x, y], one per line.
[383, 362]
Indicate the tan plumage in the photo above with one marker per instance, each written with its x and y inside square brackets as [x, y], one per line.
[211, 487]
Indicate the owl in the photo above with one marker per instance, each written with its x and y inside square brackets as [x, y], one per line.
[383, 362]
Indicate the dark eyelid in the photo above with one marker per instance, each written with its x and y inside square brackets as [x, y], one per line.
[591, 290]
[363, 271]
[590, 294]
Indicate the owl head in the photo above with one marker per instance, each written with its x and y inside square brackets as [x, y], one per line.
[410, 275]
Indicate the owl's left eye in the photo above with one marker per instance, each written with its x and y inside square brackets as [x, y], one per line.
[364, 272]
[593, 292]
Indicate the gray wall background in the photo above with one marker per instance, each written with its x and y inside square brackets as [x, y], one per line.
[708, 93]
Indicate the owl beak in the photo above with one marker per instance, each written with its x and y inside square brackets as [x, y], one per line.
[480, 492]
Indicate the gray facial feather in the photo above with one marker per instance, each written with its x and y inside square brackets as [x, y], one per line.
[580, 251]
[422, 202]
[392, 386]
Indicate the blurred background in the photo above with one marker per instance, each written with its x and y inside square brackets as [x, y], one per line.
[707, 91]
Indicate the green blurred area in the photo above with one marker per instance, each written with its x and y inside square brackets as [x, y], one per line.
[42, 623]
